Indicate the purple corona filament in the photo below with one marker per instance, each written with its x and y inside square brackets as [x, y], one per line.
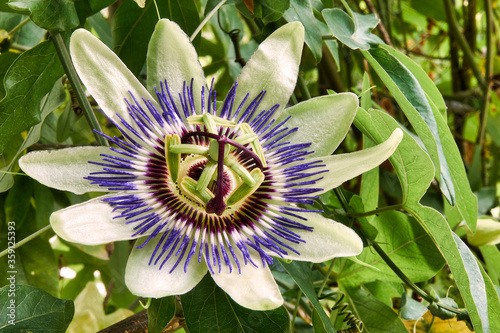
[200, 224]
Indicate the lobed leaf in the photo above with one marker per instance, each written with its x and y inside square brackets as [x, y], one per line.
[414, 171]
[353, 32]
[431, 128]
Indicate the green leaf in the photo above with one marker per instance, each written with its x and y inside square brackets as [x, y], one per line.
[411, 309]
[443, 313]
[132, 27]
[4, 7]
[422, 77]
[438, 229]
[50, 14]
[369, 191]
[52, 101]
[65, 122]
[35, 310]
[18, 200]
[160, 312]
[408, 246]
[477, 284]
[301, 273]
[384, 291]
[414, 168]
[376, 316]
[267, 10]
[492, 293]
[491, 255]
[431, 128]
[6, 59]
[352, 32]
[357, 204]
[430, 8]
[28, 80]
[30, 255]
[102, 27]
[301, 11]
[208, 309]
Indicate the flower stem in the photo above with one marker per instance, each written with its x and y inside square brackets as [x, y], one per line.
[19, 26]
[296, 309]
[65, 59]
[327, 275]
[376, 211]
[301, 82]
[27, 239]
[205, 20]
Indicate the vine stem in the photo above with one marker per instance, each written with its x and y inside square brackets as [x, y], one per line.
[19, 26]
[468, 54]
[390, 263]
[376, 211]
[205, 20]
[296, 309]
[27, 239]
[65, 59]
[327, 275]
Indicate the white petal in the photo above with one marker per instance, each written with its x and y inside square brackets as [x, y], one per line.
[254, 288]
[343, 167]
[147, 280]
[106, 77]
[172, 57]
[328, 240]
[64, 169]
[91, 223]
[273, 67]
[324, 121]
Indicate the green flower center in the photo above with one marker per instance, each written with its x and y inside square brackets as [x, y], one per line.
[225, 180]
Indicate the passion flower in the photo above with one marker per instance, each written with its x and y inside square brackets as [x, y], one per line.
[207, 188]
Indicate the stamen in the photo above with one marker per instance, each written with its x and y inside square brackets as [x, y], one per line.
[245, 190]
[172, 159]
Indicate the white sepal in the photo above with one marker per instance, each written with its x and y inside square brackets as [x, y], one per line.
[91, 223]
[254, 288]
[273, 67]
[65, 169]
[148, 280]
